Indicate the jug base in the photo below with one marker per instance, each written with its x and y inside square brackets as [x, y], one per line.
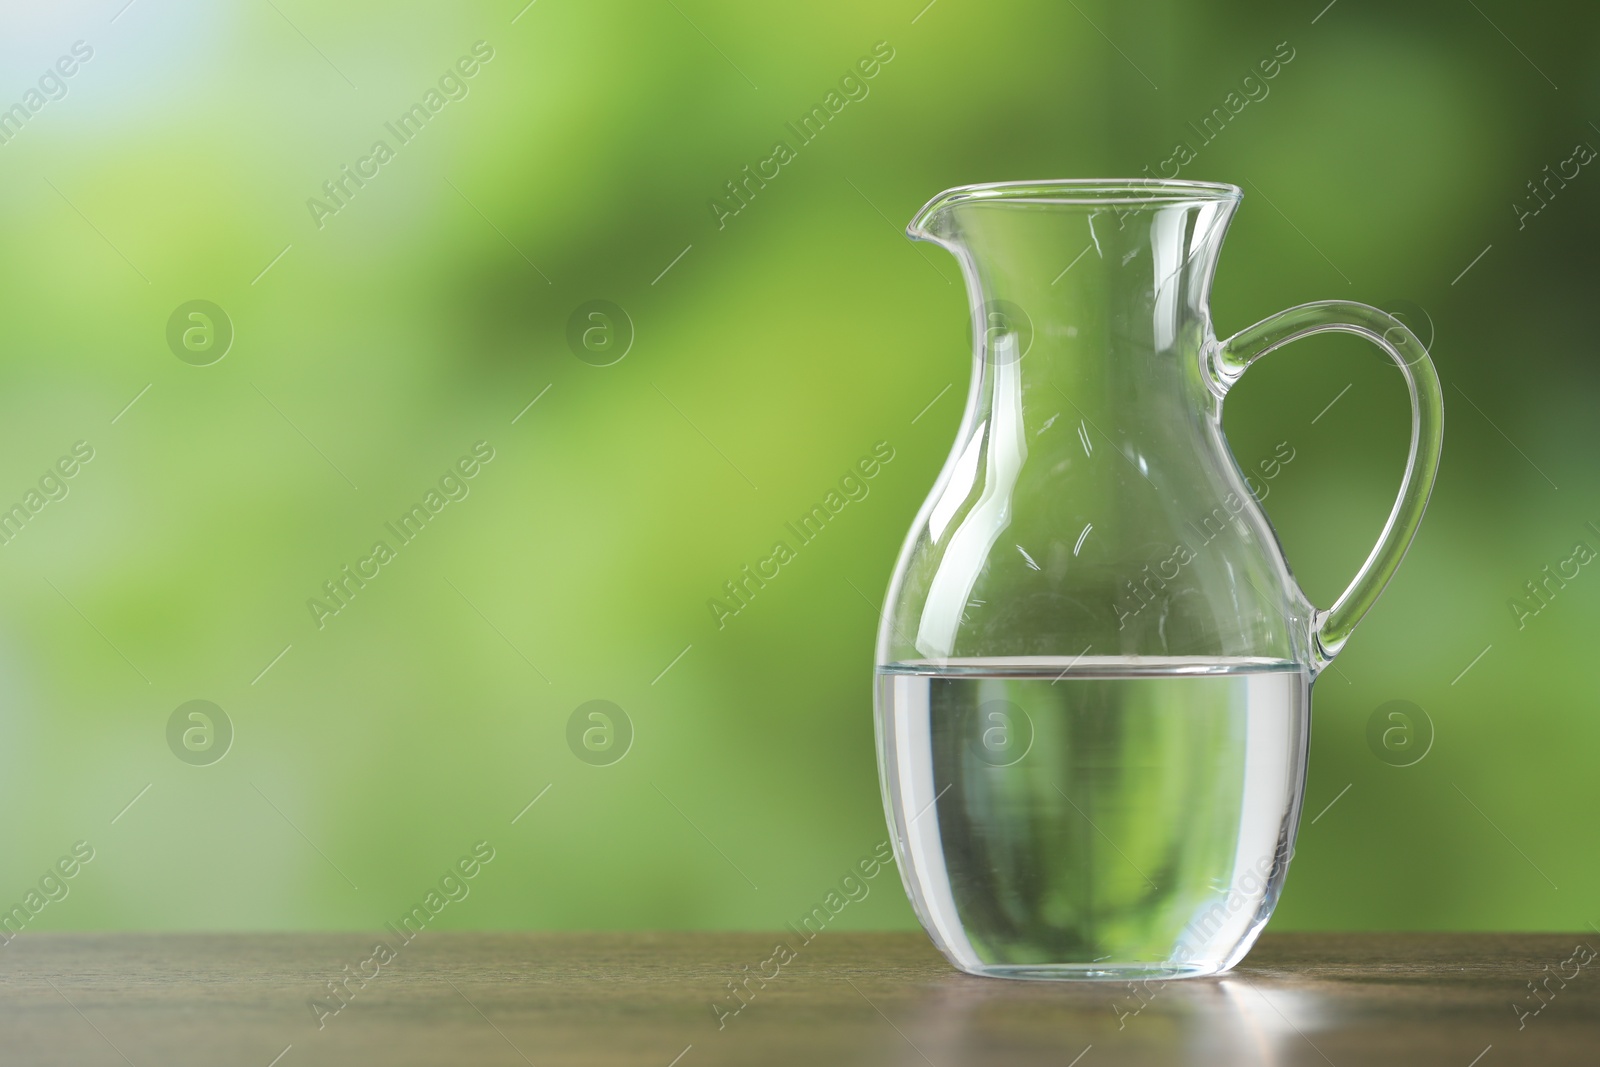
[1093, 972]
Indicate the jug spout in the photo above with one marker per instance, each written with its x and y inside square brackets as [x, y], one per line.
[940, 219]
[1075, 275]
[1040, 244]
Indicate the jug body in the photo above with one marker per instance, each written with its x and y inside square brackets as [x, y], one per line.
[1094, 666]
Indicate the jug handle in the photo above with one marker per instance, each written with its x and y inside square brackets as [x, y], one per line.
[1331, 628]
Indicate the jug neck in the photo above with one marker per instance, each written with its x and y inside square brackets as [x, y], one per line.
[1085, 287]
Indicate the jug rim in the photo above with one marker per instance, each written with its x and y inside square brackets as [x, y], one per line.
[1073, 191]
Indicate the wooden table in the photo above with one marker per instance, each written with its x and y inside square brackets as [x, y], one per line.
[645, 1000]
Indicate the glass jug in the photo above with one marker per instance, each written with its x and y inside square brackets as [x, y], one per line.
[1094, 666]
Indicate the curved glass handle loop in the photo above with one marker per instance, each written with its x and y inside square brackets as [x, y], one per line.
[1330, 629]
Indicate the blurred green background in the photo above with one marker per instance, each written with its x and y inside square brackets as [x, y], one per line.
[766, 351]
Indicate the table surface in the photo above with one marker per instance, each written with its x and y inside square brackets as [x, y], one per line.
[647, 1000]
